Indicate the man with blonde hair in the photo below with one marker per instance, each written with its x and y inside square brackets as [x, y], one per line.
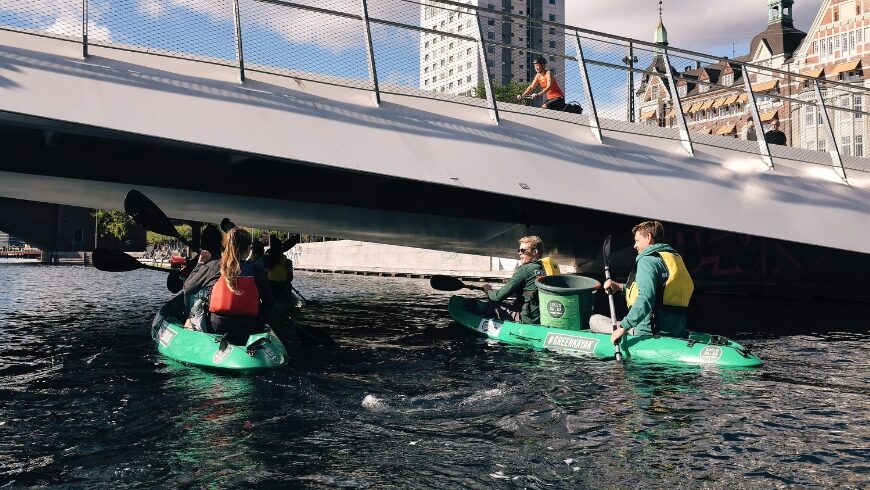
[522, 285]
[657, 292]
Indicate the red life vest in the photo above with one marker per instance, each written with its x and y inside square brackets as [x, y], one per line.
[246, 303]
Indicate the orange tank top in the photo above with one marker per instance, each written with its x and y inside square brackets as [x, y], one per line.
[555, 91]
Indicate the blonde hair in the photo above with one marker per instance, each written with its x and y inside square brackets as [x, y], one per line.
[534, 242]
[236, 243]
[650, 228]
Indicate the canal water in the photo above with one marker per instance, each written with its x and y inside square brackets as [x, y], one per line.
[405, 399]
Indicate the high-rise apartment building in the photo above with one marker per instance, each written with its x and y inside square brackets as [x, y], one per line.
[452, 65]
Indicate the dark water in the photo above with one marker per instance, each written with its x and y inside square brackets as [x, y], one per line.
[406, 400]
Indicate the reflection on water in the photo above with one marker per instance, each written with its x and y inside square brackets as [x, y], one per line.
[406, 399]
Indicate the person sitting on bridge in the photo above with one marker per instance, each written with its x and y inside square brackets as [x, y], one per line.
[236, 298]
[555, 98]
[525, 307]
[657, 292]
[775, 136]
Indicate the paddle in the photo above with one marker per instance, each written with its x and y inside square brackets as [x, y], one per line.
[450, 283]
[605, 251]
[145, 213]
[116, 261]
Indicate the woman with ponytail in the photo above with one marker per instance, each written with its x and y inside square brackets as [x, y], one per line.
[241, 294]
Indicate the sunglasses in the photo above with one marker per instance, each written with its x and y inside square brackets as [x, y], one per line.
[523, 251]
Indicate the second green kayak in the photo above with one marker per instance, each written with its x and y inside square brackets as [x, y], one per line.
[699, 348]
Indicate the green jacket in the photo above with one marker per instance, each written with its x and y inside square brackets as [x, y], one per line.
[650, 276]
[523, 281]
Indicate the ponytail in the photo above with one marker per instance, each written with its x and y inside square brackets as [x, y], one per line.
[236, 242]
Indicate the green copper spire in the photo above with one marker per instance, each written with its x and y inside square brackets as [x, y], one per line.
[780, 11]
[661, 34]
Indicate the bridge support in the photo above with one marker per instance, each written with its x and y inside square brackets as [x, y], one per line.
[836, 158]
[487, 83]
[370, 53]
[587, 86]
[237, 27]
[678, 106]
[763, 148]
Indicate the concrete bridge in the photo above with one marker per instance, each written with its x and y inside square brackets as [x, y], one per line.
[385, 161]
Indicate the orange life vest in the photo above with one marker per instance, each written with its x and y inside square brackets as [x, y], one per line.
[245, 303]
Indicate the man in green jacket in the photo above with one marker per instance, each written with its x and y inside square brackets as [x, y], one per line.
[524, 308]
[657, 292]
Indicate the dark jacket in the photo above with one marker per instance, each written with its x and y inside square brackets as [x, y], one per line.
[522, 285]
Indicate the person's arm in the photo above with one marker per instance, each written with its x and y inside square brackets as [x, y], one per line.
[514, 283]
[263, 286]
[528, 90]
[646, 294]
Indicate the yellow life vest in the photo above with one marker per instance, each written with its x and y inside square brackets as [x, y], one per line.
[678, 286]
[280, 272]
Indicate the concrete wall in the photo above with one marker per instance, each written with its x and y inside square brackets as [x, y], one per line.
[354, 255]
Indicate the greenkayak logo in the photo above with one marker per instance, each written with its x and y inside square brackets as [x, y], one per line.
[221, 355]
[555, 308]
[562, 342]
[165, 335]
[489, 327]
[270, 354]
[710, 354]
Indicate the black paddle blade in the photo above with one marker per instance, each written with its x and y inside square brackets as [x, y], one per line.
[446, 283]
[605, 251]
[174, 282]
[227, 225]
[114, 261]
[147, 215]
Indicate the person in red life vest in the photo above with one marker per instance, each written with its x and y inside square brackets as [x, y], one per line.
[242, 294]
[549, 87]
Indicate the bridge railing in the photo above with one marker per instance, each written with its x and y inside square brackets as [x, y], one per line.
[447, 50]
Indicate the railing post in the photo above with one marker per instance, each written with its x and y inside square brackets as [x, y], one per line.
[678, 106]
[240, 55]
[481, 50]
[590, 100]
[834, 149]
[84, 29]
[763, 148]
[373, 72]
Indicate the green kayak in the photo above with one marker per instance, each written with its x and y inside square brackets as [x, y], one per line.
[262, 350]
[699, 348]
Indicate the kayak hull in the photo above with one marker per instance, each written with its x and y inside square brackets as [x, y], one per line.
[204, 349]
[700, 348]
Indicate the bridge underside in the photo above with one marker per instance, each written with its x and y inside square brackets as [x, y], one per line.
[60, 162]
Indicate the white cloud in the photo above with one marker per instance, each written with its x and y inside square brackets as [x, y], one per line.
[152, 8]
[695, 25]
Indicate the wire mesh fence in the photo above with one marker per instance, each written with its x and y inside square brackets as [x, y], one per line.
[62, 19]
[447, 50]
[294, 39]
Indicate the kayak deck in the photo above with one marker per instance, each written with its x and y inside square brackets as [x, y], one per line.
[204, 349]
[699, 348]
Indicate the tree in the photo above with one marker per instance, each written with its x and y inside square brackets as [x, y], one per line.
[184, 230]
[112, 223]
[502, 93]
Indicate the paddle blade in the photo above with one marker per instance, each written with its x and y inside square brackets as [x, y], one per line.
[114, 261]
[605, 251]
[174, 283]
[227, 225]
[446, 283]
[147, 215]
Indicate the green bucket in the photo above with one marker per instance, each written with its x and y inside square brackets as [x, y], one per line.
[566, 301]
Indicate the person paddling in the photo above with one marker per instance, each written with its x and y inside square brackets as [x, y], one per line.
[242, 294]
[657, 292]
[200, 281]
[522, 285]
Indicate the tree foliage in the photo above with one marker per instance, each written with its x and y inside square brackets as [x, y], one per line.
[502, 93]
[112, 223]
[184, 230]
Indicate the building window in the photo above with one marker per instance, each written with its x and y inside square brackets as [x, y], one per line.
[426, 83]
[859, 145]
[852, 41]
[836, 14]
[681, 90]
[490, 22]
[468, 78]
[552, 30]
[858, 105]
[809, 116]
[845, 101]
[553, 2]
[552, 44]
[822, 145]
[846, 146]
[859, 36]
[490, 49]
[815, 47]
[654, 94]
[490, 35]
[552, 17]
[837, 41]
[728, 80]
